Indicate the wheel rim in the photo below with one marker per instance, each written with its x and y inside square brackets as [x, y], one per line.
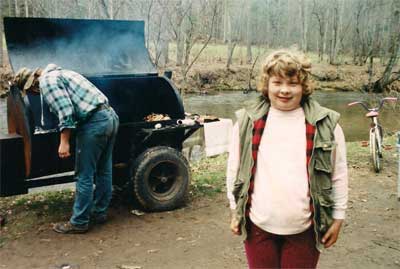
[164, 179]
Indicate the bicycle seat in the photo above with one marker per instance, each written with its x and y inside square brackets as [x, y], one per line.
[372, 114]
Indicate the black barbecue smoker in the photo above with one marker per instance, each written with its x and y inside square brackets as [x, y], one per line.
[147, 159]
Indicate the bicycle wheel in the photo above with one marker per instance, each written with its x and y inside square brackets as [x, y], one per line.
[380, 129]
[374, 144]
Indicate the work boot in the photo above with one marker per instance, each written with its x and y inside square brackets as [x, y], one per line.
[69, 228]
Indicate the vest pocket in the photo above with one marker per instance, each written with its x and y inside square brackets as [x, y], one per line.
[324, 211]
[322, 176]
[237, 188]
[323, 156]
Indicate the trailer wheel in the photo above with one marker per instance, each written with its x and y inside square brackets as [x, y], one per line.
[161, 178]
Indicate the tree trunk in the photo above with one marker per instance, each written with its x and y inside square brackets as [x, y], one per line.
[231, 44]
[211, 30]
[303, 14]
[111, 9]
[249, 37]
[386, 79]
[320, 17]
[188, 47]
[17, 14]
[90, 9]
[321, 44]
[179, 40]
[164, 58]
[325, 34]
[104, 8]
[188, 31]
[226, 21]
[370, 69]
[148, 23]
[180, 45]
[231, 48]
[9, 8]
[26, 9]
[250, 88]
[331, 29]
[340, 29]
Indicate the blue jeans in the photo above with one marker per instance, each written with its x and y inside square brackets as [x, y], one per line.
[93, 165]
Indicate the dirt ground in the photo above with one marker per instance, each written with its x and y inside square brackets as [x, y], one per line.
[198, 236]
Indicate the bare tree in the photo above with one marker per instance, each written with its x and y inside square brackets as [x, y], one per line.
[304, 25]
[230, 34]
[319, 12]
[109, 9]
[337, 10]
[158, 33]
[249, 36]
[176, 12]
[17, 9]
[333, 28]
[388, 76]
[226, 21]
[207, 8]
[150, 5]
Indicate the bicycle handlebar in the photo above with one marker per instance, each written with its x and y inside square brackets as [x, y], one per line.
[365, 106]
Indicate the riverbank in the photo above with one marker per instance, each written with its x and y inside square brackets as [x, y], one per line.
[207, 78]
[197, 236]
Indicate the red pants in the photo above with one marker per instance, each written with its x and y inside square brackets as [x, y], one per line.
[266, 250]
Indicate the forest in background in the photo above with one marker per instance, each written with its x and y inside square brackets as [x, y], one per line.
[353, 32]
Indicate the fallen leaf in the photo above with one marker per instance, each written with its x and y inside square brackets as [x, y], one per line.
[137, 212]
[129, 267]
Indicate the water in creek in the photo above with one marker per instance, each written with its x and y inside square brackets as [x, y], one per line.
[353, 121]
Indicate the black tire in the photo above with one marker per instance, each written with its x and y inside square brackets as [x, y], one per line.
[160, 179]
[375, 153]
[381, 135]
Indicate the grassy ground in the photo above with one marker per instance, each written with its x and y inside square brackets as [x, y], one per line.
[28, 213]
[208, 176]
[357, 153]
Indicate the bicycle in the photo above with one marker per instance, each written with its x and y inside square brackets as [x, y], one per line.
[375, 132]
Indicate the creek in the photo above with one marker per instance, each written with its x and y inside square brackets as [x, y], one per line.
[353, 121]
[355, 125]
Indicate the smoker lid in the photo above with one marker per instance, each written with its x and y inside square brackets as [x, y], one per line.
[90, 47]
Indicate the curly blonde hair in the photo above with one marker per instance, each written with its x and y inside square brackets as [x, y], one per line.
[286, 64]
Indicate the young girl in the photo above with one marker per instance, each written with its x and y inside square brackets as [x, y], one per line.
[287, 170]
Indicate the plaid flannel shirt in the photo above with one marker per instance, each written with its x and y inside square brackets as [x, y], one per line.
[69, 95]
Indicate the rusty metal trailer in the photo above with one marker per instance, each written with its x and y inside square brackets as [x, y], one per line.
[147, 159]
